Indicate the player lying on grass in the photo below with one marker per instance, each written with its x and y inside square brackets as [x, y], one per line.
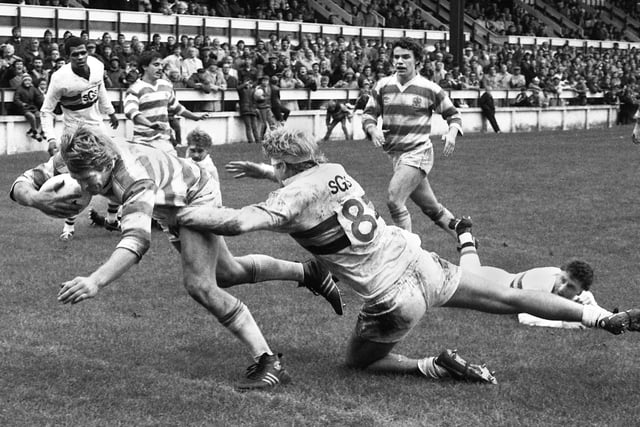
[150, 183]
[572, 280]
[327, 212]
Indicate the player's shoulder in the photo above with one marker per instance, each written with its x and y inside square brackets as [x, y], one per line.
[423, 82]
[95, 64]
[164, 83]
[544, 270]
[387, 81]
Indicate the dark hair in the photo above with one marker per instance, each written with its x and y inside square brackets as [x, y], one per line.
[74, 41]
[147, 58]
[579, 271]
[409, 44]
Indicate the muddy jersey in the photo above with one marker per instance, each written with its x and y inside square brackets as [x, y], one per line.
[327, 212]
[144, 180]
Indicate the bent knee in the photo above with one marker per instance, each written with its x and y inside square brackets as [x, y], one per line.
[199, 288]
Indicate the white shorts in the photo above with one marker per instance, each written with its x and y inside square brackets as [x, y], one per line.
[429, 281]
[204, 198]
[421, 158]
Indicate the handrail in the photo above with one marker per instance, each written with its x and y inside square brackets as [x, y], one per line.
[117, 96]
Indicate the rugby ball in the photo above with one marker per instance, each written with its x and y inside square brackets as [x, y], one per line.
[66, 187]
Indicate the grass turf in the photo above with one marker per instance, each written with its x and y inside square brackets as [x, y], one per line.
[143, 353]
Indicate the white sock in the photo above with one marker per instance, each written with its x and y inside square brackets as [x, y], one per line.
[591, 314]
[431, 369]
[68, 227]
[469, 258]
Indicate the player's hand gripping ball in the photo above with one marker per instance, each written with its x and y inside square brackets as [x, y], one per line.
[67, 189]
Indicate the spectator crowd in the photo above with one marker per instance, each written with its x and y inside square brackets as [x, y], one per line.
[210, 65]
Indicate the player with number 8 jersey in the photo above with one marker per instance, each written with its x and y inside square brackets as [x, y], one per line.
[327, 212]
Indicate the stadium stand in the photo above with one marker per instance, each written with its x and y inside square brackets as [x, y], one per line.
[567, 71]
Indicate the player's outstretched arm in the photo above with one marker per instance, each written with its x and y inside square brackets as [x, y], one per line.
[48, 202]
[242, 169]
[226, 221]
[82, 288]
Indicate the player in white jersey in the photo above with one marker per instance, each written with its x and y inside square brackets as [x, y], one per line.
[79, 89]
[327, 212]
[572, 280]
[150, 183]
[199, 144]
[406, 101]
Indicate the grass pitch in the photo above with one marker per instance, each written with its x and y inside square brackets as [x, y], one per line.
[142, 353]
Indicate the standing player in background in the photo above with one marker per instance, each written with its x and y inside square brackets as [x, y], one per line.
[572, 280]
[328, 213]
[79, 89]
[150, 183]
[406, 101]
[148, 103]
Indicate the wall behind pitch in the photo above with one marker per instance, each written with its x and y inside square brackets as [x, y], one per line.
[228, 127]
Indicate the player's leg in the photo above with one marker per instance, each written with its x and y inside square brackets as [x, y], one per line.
[386, 320]
[478, 291]
[68, 229]
[255, 268]
[377, 357]
[467, 244]
[404, 181]
[112, 220]
[199, 252]
[425, 198]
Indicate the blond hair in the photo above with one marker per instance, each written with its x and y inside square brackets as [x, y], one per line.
[292, 146]
[87, 148]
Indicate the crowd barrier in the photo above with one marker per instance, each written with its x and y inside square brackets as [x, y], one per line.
[228, 127]
[308, 97]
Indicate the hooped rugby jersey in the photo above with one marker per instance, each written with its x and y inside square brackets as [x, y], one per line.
[406, 111]
[142, 179]
[153, 102]
[536, 279]
[327, 212]
[83, 101]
